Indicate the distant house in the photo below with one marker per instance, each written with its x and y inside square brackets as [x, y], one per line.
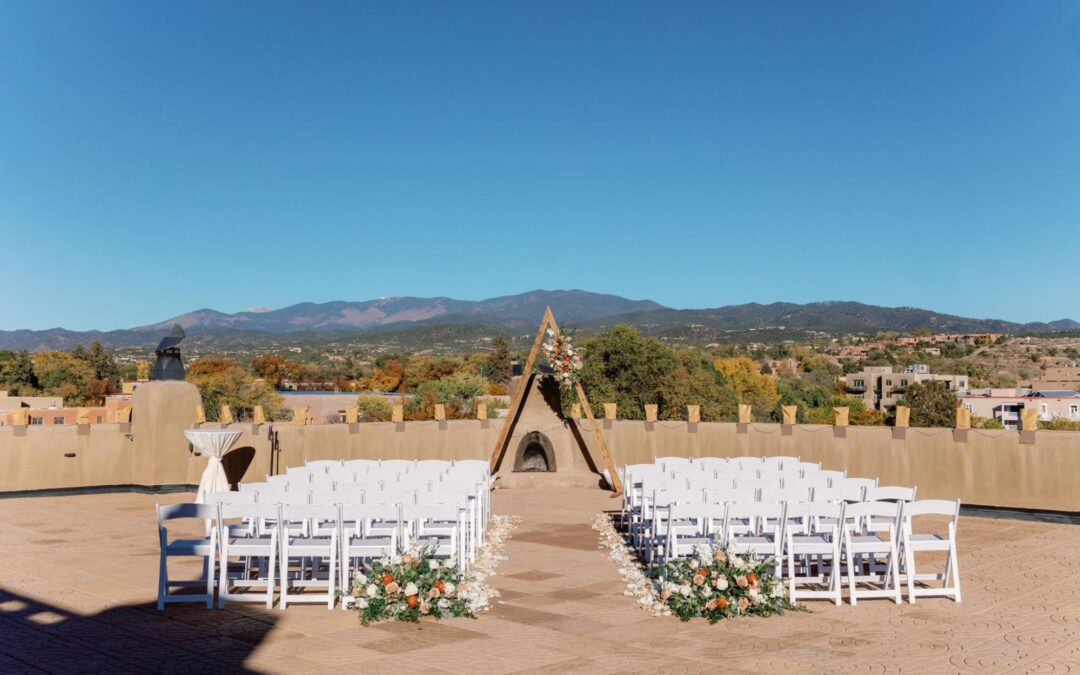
[1004, 405]
[881, 388]
[1056, 378]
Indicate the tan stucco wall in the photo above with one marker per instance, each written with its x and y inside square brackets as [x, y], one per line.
[991, 468]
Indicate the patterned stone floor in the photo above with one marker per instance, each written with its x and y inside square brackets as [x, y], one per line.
[78, 577]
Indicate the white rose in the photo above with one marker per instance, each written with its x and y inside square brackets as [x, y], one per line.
[444, 603]
[360, 578]
[372, 590]
[449, 588]
[721, 584]
[433, 563]
[411, 589]
[685, 591]
[361, 603]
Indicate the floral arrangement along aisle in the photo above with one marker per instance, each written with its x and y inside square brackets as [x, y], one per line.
[415, 584]
[712, 584]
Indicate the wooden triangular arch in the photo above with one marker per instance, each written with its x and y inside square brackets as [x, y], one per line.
[519, 398]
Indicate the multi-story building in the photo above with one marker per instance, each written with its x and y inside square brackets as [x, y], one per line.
[1004, 405]
[1056, 378]
[881, 388]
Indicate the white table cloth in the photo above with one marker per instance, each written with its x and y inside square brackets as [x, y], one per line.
[214, 443]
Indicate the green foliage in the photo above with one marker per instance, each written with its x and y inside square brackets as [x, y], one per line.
[374, 409]
[224, 381]
[499, 369]
[1060, 424]
[816, 402]
[695, 381]
[275, 369]
[17, 374]
[986, 423]
[931, 403]
[457, 392]
[65, 374]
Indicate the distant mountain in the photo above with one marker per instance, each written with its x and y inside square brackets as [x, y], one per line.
[410, 321]
[509, 310]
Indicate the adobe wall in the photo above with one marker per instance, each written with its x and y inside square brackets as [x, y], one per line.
[990, 468]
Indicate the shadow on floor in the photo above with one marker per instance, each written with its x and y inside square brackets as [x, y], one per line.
[38, 637]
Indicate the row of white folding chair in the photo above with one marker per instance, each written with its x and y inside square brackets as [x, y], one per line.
[811, 532]
[438, 526]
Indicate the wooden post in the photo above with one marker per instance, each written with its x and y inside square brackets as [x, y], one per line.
[200, 414]
[82, 416]
[651, 410]
[841, 416]
[693, 414]
[440, 412]
[616, 484]
[903, 416]
[123, 415]
[226, 414]
[963, 418]
[610, 411]
[258, 415]
[481, 411]
[18, 417]
[1029, 419]
[299, 415]
[398, 414]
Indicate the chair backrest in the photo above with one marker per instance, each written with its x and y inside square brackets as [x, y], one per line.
[260, 511]
[865, 483]
[322, 512]
[832, 511]
[230, 497]
[666, 497]
[832, 475]
[806, 467]
[759, 483]
[445, 497]
[747, 463]
[890, 493]
[359, 464]
[785, 494]
[752, 518]
[324, 465]
[366, 513]
[292, 498]
[278, 481]
[848, 493]
[778, 461]
[807, 481]
[932, 507]
[324, 495]
[295, 472]
[186, 510]
[401, 465]
[390, 497]
[731, 495]
[422, 512]
[252, 487]
[862, 514]
[777, 474]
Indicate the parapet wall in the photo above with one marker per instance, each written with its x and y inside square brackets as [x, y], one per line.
[983, 467]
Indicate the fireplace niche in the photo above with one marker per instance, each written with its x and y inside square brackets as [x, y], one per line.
[535, 454]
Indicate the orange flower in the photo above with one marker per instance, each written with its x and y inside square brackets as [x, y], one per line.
[722, 603]
[412, 601]
[752, 578]
[710, 605]
[698, 579]
[743, 604]
[387, 579]
[702, 572]
[440, 584]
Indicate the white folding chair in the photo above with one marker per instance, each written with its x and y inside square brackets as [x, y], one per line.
[430, 524]
[724, 495]
[864, 483]
[258, 548]
[870, 532]
[917, 542]
[324, 465]
[785, 494]
[361, 540]
[681, 528]
[754, 528]
[230, 497]
[819, 547]
[205, 548]
[310, 551]
[252, 487]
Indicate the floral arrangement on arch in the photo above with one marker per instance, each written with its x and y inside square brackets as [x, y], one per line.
[715, 585]
[564, 359]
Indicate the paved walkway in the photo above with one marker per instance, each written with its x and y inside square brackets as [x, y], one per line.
[78, 575]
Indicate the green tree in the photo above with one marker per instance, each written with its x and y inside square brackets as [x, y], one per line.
[750, 385]
[17, 374]
[931, 403]
[621, 366]
[457, 392]
[275, 369]
[224, 381]
[694, 381]
[65, 374]
[499, 369]
[374, 409]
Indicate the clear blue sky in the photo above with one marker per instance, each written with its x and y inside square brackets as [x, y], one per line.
[158, 157]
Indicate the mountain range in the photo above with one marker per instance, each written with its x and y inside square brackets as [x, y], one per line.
[576, 308]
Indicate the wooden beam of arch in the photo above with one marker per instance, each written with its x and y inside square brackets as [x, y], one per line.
[519, 398]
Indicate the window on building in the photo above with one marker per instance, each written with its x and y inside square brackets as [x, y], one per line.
[903, 383]
[1043, 409]
[100, 419]
[1074, 411]
[37, 420]
[58, 420]
[859, 383]
[888, 383]
[960, 384]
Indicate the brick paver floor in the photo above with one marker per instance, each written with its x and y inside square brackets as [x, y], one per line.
[78, 580]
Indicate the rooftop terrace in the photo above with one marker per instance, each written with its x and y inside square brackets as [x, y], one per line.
[78, 579]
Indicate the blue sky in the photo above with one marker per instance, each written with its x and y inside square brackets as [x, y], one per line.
[160, 157]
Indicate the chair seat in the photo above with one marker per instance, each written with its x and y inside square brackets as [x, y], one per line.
[928, 542]
[310, 543]
[198, 547]
[812, 543]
